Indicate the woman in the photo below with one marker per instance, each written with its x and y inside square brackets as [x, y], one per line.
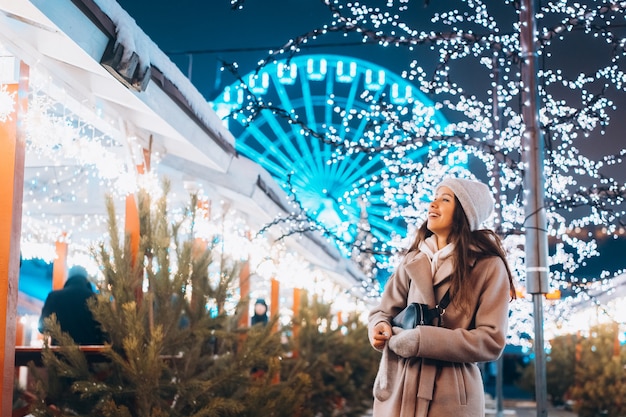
[431, 370]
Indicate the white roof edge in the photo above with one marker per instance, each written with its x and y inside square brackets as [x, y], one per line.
[135, 40]
[110, 17]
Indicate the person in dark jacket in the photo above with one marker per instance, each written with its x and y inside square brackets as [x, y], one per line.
[69, 304]
[260, 313]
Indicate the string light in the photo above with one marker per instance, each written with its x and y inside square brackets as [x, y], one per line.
[76, 156]
[577, 106]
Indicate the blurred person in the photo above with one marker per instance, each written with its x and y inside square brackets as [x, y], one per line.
[260, 313]
[69, 304]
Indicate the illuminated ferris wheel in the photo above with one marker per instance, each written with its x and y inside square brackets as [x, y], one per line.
[326, 93]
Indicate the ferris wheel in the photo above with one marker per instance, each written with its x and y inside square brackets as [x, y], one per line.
[326, 93]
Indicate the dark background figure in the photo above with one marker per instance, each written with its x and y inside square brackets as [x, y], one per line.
[70, 306]
[260, 313]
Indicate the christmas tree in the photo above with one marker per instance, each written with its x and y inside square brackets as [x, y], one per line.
[173, 349]
[560, 368]
[587, 369]
[338, 359]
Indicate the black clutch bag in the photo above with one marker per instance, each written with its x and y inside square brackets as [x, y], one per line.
[416, 314]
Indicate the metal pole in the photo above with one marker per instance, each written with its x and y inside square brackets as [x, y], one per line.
[499, 388]
[497, 129]
[535, 222]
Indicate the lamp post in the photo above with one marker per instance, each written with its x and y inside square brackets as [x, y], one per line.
[535, 221]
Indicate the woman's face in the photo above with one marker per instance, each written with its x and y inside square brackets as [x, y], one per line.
[440, 213]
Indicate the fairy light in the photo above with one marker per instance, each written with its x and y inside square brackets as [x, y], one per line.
[75, 156]
[577, 107]
[579, 193]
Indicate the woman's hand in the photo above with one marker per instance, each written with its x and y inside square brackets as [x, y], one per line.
[380, 334]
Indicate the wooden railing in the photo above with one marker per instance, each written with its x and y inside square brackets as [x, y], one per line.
[25, 354]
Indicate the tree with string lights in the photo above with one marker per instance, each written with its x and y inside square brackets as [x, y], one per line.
[526, 114]
[467, 61]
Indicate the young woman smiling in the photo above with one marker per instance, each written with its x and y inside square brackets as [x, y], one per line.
[431, 370]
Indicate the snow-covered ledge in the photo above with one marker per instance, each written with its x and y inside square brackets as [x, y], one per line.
[97, 27]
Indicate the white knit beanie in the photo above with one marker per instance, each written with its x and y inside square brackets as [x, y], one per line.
[475, 198]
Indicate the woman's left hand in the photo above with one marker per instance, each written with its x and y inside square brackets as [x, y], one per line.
[405, 343]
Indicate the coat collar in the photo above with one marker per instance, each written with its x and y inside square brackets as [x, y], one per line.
[421, 282]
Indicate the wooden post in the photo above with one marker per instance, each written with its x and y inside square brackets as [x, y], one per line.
[197, 250]
[131, 226]
[20, 334]
[59, 266]
[20, 340]
[274, 301]
[274, 311]
[12, 153]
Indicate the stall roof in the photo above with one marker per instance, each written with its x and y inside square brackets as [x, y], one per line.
[71, 46]
[78, 41]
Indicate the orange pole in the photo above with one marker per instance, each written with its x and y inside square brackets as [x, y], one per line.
[197, 249]
[244, 293]
[59, 266]
[147, 155]
[274, 307]
[205, 206]
[296, 319]
[617, 347]
[12, 153]
[19, 333]
[274, 301]
[131, 228]
[19, 341]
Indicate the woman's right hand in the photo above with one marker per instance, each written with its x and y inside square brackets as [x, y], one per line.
[380, 334]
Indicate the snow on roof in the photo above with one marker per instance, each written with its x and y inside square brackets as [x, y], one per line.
[134, 39]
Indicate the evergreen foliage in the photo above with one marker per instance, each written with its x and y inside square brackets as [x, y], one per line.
[588, 370]
[167, 353]
[340, 362]
[560, 368]
[600, 384]
[174, 350]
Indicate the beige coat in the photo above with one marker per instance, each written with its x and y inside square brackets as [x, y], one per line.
[443, 378]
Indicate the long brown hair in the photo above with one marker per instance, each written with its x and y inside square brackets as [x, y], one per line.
[468, 245]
